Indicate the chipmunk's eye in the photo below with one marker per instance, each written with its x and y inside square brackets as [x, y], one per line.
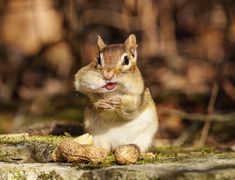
[99, 61]
[125, 60]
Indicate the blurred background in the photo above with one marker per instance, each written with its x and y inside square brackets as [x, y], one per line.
[186, 52]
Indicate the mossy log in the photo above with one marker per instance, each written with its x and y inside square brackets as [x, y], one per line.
[30, 158]
[26, 149]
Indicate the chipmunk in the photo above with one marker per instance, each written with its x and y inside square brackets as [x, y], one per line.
[121, 109]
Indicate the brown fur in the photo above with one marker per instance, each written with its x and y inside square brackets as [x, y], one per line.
[127, 111]
[111, 51]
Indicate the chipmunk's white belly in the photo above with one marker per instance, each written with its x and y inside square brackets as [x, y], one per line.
[140, 131]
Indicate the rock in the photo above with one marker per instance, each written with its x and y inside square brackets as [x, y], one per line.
[170, 162]
[48, 148]
[195, 168]
[127, 154]
[26, 151]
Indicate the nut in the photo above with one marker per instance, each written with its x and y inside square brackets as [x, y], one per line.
[71, 151]
[127, 154]
[84, 139]
[147, 156]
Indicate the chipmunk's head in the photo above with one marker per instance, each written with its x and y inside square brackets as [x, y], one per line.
[115, 60]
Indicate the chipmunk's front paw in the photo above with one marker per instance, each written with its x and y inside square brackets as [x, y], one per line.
[115, 102]
[103, 104]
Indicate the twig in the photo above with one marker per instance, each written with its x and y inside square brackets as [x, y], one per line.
[210, 110]
[199, 117]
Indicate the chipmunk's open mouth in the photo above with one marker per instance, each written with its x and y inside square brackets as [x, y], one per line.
[110, 86]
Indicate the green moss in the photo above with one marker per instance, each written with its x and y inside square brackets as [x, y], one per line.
[109, 161]
[53, 140]
[19, 176]
[28, 149]
[147, 161]
[52, 175]
[179, 154]
[3, 155]
[186, 151]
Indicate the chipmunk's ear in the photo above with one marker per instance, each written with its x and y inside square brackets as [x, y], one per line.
[100, 43]
[131, 45]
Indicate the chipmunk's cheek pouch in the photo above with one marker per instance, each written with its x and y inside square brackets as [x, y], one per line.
[92, 81]
[95, 85]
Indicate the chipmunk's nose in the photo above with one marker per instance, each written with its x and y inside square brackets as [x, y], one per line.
[108, 75]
